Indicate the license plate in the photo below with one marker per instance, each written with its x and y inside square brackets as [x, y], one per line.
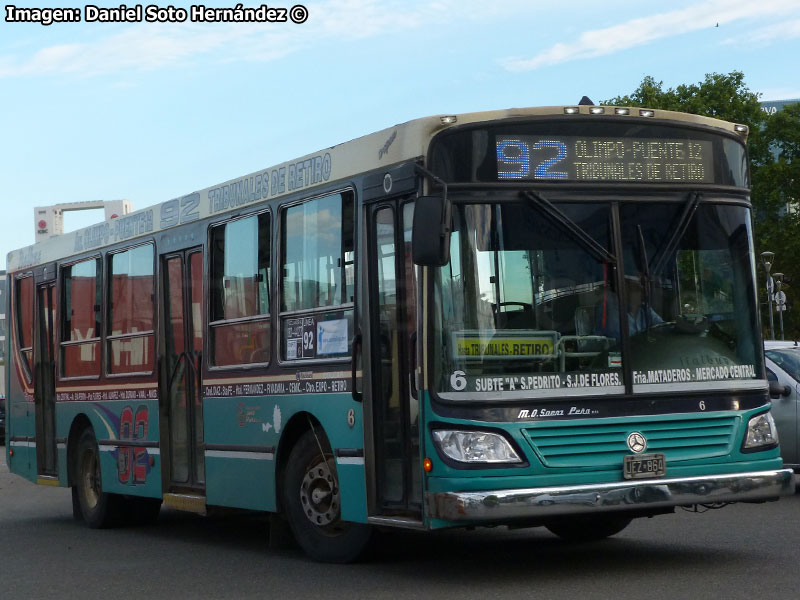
[639, 466]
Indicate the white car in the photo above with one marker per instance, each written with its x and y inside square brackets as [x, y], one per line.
[783, 368]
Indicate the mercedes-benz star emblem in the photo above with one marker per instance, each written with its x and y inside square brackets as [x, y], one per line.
[636, 442]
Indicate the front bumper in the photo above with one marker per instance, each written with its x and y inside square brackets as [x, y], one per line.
[633, 495]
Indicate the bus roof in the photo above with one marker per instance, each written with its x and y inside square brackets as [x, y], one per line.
[338, 163]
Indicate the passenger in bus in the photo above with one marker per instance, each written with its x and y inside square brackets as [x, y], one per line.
[606, 318]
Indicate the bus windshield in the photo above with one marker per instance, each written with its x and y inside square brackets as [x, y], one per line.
[526, 309]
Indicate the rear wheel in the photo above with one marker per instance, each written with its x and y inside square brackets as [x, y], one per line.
[96, 508]
[312, 502]
[587, 528]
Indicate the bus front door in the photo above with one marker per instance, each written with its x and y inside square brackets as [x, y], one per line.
[395, 411]
[44, 380]
[182, 408]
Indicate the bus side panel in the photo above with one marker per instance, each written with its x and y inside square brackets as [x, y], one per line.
[244, 434]
[21, 434]
[125, 469]
[241, 479]
[241, 482]
[352, 480]
[20, 422]
[240, 452]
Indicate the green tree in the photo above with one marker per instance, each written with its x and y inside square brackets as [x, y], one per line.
[773, 144]
[721, 96]
[776, 192]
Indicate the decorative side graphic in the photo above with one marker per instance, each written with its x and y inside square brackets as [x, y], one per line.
[133, 463]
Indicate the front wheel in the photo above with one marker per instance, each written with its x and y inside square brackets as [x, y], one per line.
[95, 507]
[587, 528]
[312, 502]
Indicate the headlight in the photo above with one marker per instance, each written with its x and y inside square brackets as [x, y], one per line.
[475, 446]
[761, 431]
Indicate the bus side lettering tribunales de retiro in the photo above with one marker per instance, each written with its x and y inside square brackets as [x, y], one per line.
[542, 316]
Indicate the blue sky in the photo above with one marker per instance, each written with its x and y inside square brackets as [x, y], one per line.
[151, 111]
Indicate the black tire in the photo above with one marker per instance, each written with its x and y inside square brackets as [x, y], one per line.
[76, 505]
[310, 495]
[97, 508]
[587, 528]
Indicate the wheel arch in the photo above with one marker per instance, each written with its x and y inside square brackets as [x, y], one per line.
[295, 428]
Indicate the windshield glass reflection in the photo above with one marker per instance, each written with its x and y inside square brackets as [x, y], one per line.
[525, 309]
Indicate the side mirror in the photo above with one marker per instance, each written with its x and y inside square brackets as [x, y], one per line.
[776, 390]
[430, 237]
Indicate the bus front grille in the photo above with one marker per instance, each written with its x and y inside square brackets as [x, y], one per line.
[574, 444]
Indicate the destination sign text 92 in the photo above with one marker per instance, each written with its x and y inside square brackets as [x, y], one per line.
[577, 158]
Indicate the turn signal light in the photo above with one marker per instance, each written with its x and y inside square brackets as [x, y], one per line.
[427, 464]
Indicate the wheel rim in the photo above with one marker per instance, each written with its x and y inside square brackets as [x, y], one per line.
[90, 477]
[319, 495]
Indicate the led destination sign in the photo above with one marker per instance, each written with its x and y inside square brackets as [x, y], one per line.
[579, 158]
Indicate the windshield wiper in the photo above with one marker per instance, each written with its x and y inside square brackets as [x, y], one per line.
[648, 273]
[689, 208]
[556, 216]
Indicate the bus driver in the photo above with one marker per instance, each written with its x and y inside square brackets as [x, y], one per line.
[606, 319]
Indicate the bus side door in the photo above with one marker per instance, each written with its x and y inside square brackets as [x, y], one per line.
[44, 372]
[182, 409]
[392, 326]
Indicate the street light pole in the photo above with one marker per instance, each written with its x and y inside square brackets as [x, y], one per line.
[766, 259]
[778, 282]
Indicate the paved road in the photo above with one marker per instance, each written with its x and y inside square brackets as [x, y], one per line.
[742, 551]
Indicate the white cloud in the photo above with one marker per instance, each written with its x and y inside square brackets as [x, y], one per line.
[139, 47]
[145, 47]
[763, 36]
[636, 32]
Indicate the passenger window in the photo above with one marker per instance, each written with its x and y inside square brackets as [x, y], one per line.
[318, 278]
[131, 337]
[80, 334]
[240, 291]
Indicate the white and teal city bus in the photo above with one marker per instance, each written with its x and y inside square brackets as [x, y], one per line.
[533, 317]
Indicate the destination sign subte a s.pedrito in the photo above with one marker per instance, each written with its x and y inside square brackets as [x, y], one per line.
[628, 159]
